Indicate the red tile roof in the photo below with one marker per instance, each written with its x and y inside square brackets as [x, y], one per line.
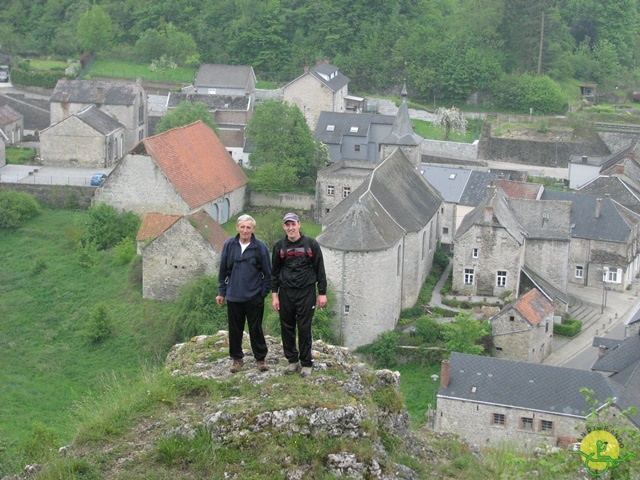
[533, 306]
[524, 190]
[195, 161]
[153, 224]
[209, 229]
[8, 115]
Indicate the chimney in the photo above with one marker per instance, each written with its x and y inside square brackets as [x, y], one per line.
[620, 169]
[598, 207]
[445, 373]
[601, 351]
[488, 214]
[584, 159]
[65, 97]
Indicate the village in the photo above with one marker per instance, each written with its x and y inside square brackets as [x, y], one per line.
[387, 200]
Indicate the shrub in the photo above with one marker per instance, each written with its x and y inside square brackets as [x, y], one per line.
[125, 251]
[520, 93]
[99, 326]
[428, 329]
[570, 328]
[106, 227]
[16, 208]
[383, 350]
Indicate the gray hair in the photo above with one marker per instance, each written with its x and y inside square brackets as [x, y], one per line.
[246, 218]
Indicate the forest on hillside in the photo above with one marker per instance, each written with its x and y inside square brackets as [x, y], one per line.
[445, 49]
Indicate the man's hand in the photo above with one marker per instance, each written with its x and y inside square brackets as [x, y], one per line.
[275, 302]
[322, 301]
[219, 300]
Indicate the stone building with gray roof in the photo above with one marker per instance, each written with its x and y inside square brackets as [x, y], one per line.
[229, 80]
[87, 138]
[493, 402]
[11, 125]
[124, 101]
[378, 246]
[605, 241]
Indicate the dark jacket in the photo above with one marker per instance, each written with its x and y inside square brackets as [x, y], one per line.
[244, 275]
[297, 265]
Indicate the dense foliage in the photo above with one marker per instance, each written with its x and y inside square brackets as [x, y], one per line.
[16, 208]
[445, 49]
[184, 114]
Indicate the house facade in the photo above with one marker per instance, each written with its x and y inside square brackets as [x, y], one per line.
[188, 248]
[523, 330]
[177, 172]
[336, 182]
[88, 138]
[322, 88]
[494, 402]
[124, 101]
[11, 125]
[225, 80]
[388, 224]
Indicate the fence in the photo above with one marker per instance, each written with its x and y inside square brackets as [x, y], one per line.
[35, 179]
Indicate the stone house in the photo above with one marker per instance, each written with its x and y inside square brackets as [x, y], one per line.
[605, 241]
[11, 125]
[231, 115]
[177, 249]
[387, 224]
[523, 330]
[322, 88]
[493, 402]
[584, 168]
[619, 359]
[225, 80]
[504, 236]
[177, 172]
[124, 101]
[87, 138]
[353, 136]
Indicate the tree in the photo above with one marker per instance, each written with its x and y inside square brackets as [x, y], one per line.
[452, 120]
[168, 42]
[463, 334]
[283, 139]
[95, 31]
[186, 113]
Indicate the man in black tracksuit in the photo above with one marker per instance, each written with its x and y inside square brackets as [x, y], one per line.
[297, 266]
[243, 280]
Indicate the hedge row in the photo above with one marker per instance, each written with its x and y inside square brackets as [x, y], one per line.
[570, 327]
[36, 79]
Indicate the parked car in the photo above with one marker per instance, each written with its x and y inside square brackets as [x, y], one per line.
[98, 179]
[4, 76]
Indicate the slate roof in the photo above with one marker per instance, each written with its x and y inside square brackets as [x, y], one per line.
[329, 75]
[96, 91]
[543, 219]
[343, 124]
[195, 161]
[450, 182]
[99, 120]
[533, 306]
[402, 132]
[8, 115]
[545, 287]
[394, 200]
[614, 187]
[529, 386]
[622, 360]
[476, 188]
[617, 157]
[213, 102]
[153, 224]
[610, 226]
[225, 76]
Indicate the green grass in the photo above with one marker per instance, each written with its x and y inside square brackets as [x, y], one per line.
[42, 64]
[19, 156]
[118, 69]
[418, 389]
[429, 131]
[46, 298]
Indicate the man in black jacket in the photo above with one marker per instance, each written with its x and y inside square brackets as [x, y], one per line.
[297, 267]
[244, 279]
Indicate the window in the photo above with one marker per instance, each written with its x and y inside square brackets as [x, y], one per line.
[512, 318]
[354, 129]
[474, 253]
[526, 423]
[330, 190]
[331, 128]
[346, 309]
[498, 419]
[501, 278]
[611, 275]
[468, 276]
[346, 191]
[445, 230]
[356, 147]
[579, 271]
[546, 426]
[499, 349]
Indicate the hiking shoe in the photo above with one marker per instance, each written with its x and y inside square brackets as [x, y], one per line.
[262, 365]
[237, 365]
[292, 368]
[306, 371]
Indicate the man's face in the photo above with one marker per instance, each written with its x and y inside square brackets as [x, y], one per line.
[292, 230]
[245, 229]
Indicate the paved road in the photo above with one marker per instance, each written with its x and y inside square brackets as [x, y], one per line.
[40, 175]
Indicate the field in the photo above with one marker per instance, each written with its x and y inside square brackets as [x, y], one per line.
[125, 70]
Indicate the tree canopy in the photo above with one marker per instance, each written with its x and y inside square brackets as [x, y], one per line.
[184, 114]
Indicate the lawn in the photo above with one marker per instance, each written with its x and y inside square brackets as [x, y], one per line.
[117, 69]
[430, 132]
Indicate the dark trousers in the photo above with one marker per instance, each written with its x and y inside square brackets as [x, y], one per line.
[297, 307]
[251, 311]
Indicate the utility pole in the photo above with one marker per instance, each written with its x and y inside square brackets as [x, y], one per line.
[541, 42]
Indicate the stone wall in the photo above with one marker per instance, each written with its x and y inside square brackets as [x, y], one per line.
[282, 200]
[461, 151]
[56, 196]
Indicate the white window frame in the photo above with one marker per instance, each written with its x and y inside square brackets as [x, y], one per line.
[612, 275]
[346, 191]
[579, 271]
[331, 190]
[469, 276]
[501, 278]
[474, 253]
